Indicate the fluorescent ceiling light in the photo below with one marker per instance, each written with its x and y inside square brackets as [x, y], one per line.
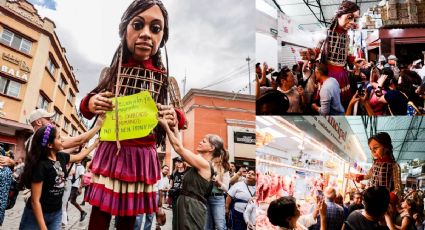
[273, 132]
[263, 121]
[297, 139]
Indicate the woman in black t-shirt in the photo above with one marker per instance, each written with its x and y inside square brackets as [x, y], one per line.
[45, 174]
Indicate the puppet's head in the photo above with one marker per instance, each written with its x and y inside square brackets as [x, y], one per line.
[143, 29]
[347, 14]
[380, 145]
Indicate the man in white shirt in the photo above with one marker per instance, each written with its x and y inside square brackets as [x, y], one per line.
[76, 189]
[163, 184]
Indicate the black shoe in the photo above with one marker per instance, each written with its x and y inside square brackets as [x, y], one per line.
[83, 203]
[83, 215]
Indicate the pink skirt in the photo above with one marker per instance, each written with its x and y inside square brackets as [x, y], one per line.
[124, 184]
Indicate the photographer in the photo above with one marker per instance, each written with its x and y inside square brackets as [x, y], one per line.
[400, 93]
[176, 180]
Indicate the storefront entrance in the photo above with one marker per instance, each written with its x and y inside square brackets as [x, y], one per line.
[407, 53]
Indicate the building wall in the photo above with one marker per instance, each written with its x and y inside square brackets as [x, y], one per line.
[215, 112]
[21, 18]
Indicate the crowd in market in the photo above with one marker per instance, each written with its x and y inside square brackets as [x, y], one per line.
[381, 204]
[329, 80]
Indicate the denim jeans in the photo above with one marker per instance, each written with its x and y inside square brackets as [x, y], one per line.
[65, 199]
[216, 216]
[28, 222]
[148, 221]
[238, 220]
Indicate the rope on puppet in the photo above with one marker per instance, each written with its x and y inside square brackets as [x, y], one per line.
[116, 101]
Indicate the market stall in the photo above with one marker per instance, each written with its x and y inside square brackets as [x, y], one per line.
[293, 160]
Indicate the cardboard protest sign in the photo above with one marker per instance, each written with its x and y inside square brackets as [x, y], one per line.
[136, 118]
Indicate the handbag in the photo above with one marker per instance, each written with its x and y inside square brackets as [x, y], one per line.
[161, 218]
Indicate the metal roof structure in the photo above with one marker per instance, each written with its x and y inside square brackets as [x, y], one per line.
[314, 15]
[407, 134]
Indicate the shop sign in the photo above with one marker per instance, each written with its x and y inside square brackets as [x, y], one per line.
[244, 138]
[288, 31]
[338, 131]
[25, 14]
[22, 65]
[13, 72]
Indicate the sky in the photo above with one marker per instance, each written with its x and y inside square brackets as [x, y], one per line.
[209, 40]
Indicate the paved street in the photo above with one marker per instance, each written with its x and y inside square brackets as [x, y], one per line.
[13, 217]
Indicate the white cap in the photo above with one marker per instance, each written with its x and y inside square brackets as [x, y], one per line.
[392, 57]
[39, 113]
[382, 58]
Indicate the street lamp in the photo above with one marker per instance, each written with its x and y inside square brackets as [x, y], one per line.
[249, 74]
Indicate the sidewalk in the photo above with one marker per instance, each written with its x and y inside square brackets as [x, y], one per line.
[13, 217]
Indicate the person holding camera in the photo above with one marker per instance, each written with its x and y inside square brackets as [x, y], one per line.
[400, 93]
[176, 180]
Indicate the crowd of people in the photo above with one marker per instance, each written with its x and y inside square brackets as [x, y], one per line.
[383, 89]
[373, 208]
[330, 81]
[382, 204]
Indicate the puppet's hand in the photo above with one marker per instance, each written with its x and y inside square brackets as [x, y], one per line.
[168, 113]
[100, 103]
[162, 122]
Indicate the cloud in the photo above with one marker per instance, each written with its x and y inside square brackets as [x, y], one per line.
[208, 39]
[51, 4]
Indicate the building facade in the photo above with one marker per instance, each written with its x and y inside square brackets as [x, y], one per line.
[34, 73]
[229, 115]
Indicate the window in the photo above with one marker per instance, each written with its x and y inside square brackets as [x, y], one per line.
[57, 116]
[9, 87]
[65, 124]
[62, 84]
[70, 97]
[43, 103]
[73, 132]
[16, 41]
[51, 66]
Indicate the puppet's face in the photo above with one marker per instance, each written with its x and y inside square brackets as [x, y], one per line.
[376, 149]
[348, 21]
[145, 32]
